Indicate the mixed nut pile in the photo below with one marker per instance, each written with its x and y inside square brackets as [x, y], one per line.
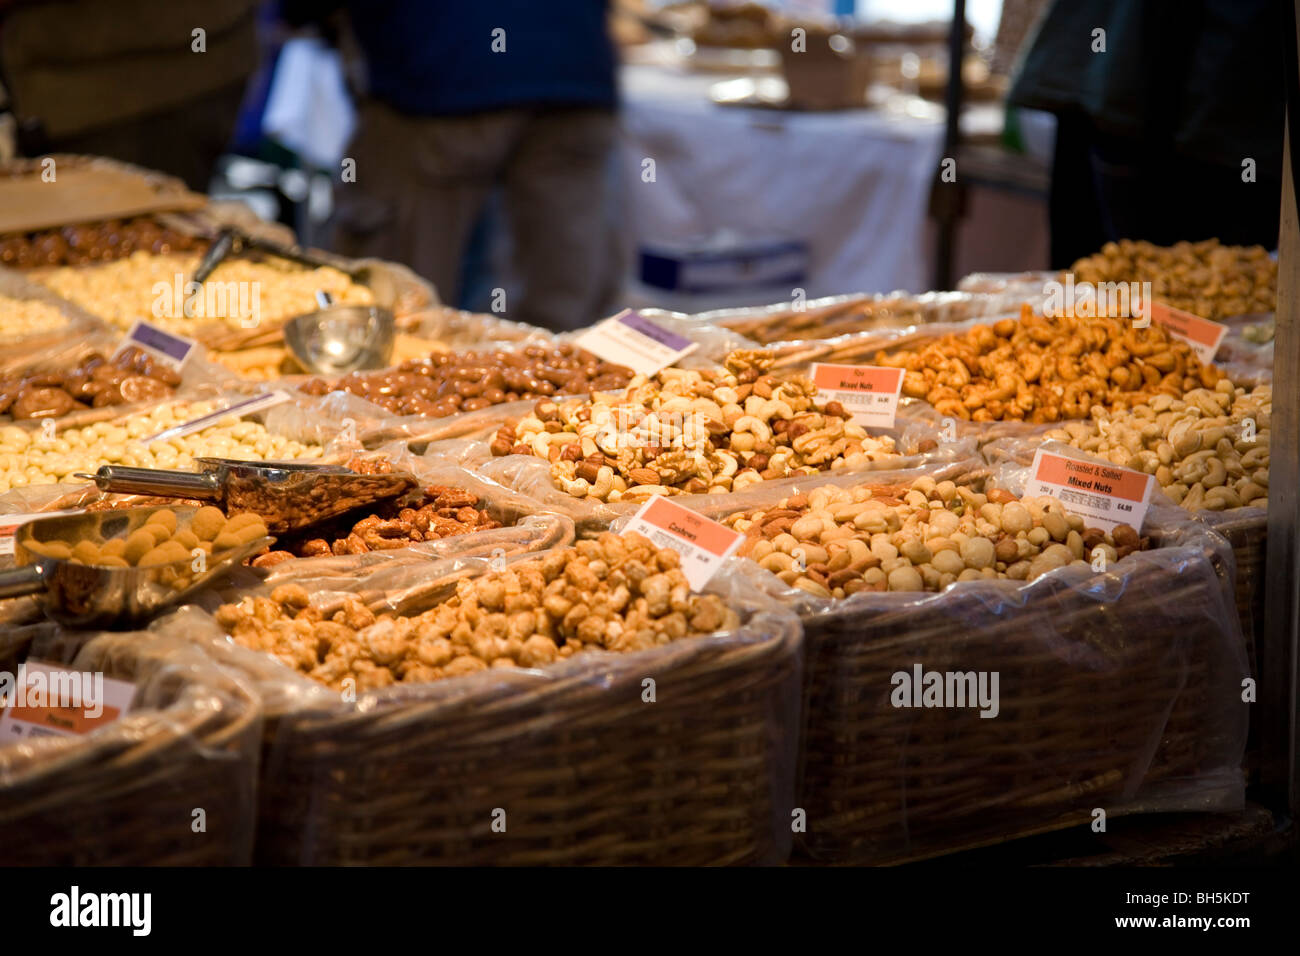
[692, 432]
[95, 382]
[616, 593]
[447, 383]
[437, 512]
[1206, 278]
[1138, 397]
[834, 542]
[1039, 369]
[1209, 449]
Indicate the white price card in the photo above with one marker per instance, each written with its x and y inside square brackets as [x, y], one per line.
[249, 405]
[1106, 496]
[173, 350]
[631, 339]
[1201, 334]
[702, 544]
[869, 392]
[44, 700]
[9, 525]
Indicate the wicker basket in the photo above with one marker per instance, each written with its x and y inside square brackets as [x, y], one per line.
[1247, 531]
[125, 795]
[585, 770]
[1119, 691]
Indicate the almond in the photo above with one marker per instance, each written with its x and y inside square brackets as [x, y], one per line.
[643, 476]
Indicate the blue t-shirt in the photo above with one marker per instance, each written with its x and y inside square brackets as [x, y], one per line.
[437, 57]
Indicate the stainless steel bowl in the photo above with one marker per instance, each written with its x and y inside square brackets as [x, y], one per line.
[341, 338]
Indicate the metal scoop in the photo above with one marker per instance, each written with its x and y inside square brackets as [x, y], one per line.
[287, 495]
[82, 595]
[230, 241]
[341, 338]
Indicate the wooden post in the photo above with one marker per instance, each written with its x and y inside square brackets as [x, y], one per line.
[1279, 665]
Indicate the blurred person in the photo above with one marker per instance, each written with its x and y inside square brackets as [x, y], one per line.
[464, 98]
[123, 78]
[1153, 131]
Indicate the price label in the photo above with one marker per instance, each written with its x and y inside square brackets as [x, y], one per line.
[173, 350]
[1104, 495]
[703, 544]
[9, 525]
[1201, 334]
[869, 392]
[249, 405]
[631, 339]
[44, 700]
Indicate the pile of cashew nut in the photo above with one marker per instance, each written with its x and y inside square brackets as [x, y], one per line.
[1206, 278]
[692, 432]
[1039, 369]
[1208, 449]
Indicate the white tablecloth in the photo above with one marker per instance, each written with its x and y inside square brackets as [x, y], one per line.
[854, 184]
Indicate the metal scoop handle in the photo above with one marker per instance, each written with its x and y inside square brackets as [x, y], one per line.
[231, 241]
[203, 485]
[221, 247]
[18, 582]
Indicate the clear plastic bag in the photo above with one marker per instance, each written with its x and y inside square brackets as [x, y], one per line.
[1246, 530]
[683, 754]
[201, 379]
[308, 422]
[531, 476]
[458, 329]
[379, 577]
[172, 782]
[22, 348]
[469, 331]
[1117, 690]
[821, 321]
[715, 342]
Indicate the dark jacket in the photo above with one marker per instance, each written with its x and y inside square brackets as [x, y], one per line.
[437, 57]
[1200, 77]
[75, 66]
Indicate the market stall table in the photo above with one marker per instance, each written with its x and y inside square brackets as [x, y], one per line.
[852, 184]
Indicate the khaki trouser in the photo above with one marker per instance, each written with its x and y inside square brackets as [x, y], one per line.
[421, 183]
